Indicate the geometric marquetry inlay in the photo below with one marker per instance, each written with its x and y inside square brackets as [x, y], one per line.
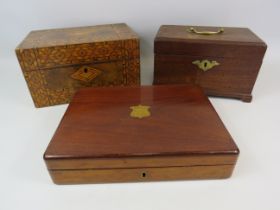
[86, 73]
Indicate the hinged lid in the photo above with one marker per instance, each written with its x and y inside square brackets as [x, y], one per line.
[69, 46]
[166, 125]
[229, 42]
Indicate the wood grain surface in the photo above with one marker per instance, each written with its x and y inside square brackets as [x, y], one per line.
[141, 174]
[49, 57]
[98, 133]
[238, 51]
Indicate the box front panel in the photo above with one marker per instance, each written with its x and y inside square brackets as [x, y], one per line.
[141, 169]
[140, 174]
[230, 77]
[49, 70]
[58, 85]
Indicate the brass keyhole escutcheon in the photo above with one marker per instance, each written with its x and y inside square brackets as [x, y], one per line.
[205, 64]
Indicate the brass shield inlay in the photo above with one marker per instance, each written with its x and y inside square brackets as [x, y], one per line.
[86, 73]
[140, 111]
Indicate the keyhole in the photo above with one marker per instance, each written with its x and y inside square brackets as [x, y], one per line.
[85, 70]
[205, 64]
[143, 174]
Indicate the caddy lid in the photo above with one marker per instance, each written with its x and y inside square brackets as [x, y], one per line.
[77, 35]
[53, 48]
[123, 123]
[208, 41]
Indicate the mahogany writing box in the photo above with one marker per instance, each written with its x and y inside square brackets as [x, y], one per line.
[223, 61]
[58, 62]
[128, 134]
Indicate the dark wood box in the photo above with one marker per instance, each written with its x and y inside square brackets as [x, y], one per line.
[224, 64]
[58, 62]
[129, 134]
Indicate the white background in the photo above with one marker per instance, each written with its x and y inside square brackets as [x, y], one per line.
[26, 131]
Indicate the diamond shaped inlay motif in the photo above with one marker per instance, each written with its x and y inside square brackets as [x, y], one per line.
[86, 74]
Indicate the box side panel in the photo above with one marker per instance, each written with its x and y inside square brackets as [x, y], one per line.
[140, 174]
[132, 72]
[131, 49]
[27, 59]
[36, 82]
[131, 62]
[34, 79]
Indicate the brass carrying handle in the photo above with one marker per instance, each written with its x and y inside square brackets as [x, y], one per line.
[193, 30]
